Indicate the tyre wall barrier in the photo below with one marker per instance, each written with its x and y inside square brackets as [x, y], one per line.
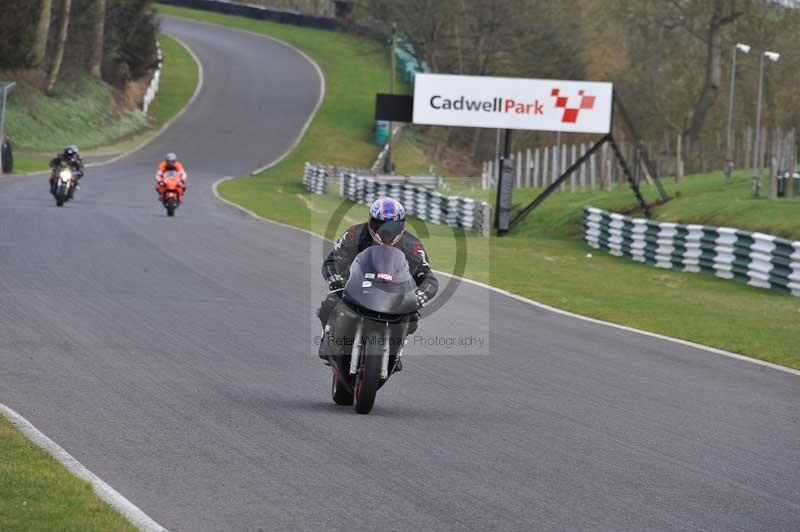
[419, 201]
[258, 12]
[760, 260]
[316, 177]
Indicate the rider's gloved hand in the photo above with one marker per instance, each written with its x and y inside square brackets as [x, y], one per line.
[422, 298]
[335, 282]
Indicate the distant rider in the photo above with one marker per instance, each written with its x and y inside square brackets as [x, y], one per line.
[170, 164]
[386, 226]
[71, 159]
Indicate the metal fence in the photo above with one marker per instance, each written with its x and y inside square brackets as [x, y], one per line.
[542, 166]
[760, 260]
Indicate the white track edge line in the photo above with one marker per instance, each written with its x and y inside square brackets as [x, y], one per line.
[537, 304]
[108, 494]
[157, 134]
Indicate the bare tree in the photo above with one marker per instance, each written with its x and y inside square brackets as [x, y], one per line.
[42, 32]
[55, 68]
[720, 17]
[99, 37]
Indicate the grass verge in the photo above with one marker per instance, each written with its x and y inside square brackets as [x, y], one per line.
[82, 112]
[37, 118]
[544, 259]
[40, 495]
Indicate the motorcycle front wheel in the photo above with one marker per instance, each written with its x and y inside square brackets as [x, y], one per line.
[368, 378]
[339, 393]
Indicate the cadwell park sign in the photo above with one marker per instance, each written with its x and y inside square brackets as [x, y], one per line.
[521, 104]
[509, 103]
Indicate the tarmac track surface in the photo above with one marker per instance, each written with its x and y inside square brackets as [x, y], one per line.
[173, 357]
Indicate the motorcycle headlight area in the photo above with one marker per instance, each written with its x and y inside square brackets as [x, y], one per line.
[65, 175]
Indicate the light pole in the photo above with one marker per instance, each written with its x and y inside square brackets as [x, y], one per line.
[744, 48]
[772, 56]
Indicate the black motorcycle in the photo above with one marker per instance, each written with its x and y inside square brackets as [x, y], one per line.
[64, 186]
[365, 335]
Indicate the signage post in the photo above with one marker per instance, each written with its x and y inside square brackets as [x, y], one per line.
[559, 106]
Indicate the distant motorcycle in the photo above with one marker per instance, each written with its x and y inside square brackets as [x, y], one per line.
[368, 329]
[65, 183]
[172, 192]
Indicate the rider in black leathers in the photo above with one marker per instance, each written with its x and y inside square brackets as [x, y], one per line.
[384, 228]
[70, 158]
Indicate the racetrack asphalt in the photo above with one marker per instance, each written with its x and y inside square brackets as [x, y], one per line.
[174, 358]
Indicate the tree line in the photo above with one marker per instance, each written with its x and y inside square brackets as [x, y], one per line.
[113, 40]
[669, 59]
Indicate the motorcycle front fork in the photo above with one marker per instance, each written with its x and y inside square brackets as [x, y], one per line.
[355, 357]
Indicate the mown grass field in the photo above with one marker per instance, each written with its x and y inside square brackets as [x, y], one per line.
[545, 258]
[37, 123]
[37, 494]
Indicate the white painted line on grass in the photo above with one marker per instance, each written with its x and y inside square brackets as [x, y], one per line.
[125, 507]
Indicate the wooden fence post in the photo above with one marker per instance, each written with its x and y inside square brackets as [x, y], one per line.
[583, 169]
[528, 163]
[791, 162]
[545, 165]
[573, 178]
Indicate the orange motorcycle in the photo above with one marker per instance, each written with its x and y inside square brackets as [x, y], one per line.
[171, 188]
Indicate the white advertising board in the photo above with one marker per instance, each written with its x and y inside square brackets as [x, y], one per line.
[513, 103]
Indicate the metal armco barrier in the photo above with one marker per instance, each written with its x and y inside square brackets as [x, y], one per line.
[257, 12]
[152, 89]
[760, 260]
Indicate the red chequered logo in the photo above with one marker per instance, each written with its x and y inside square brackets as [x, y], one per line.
[571, 113]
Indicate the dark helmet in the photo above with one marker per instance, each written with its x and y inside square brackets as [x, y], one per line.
[387, 220]
[71, 150]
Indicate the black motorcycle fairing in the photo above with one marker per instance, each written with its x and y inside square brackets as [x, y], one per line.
[380, 281]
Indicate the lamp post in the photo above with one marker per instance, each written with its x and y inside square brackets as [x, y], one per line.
[729, 163]
[772, 56]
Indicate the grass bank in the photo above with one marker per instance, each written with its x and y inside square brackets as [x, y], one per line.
[40, 495]
[82, 113]
[545, 258]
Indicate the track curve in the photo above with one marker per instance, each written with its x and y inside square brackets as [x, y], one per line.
[172, 359]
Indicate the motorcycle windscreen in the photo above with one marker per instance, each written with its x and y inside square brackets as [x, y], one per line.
[381, 281]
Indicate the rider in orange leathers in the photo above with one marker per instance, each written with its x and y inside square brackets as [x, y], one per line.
[170, 164]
